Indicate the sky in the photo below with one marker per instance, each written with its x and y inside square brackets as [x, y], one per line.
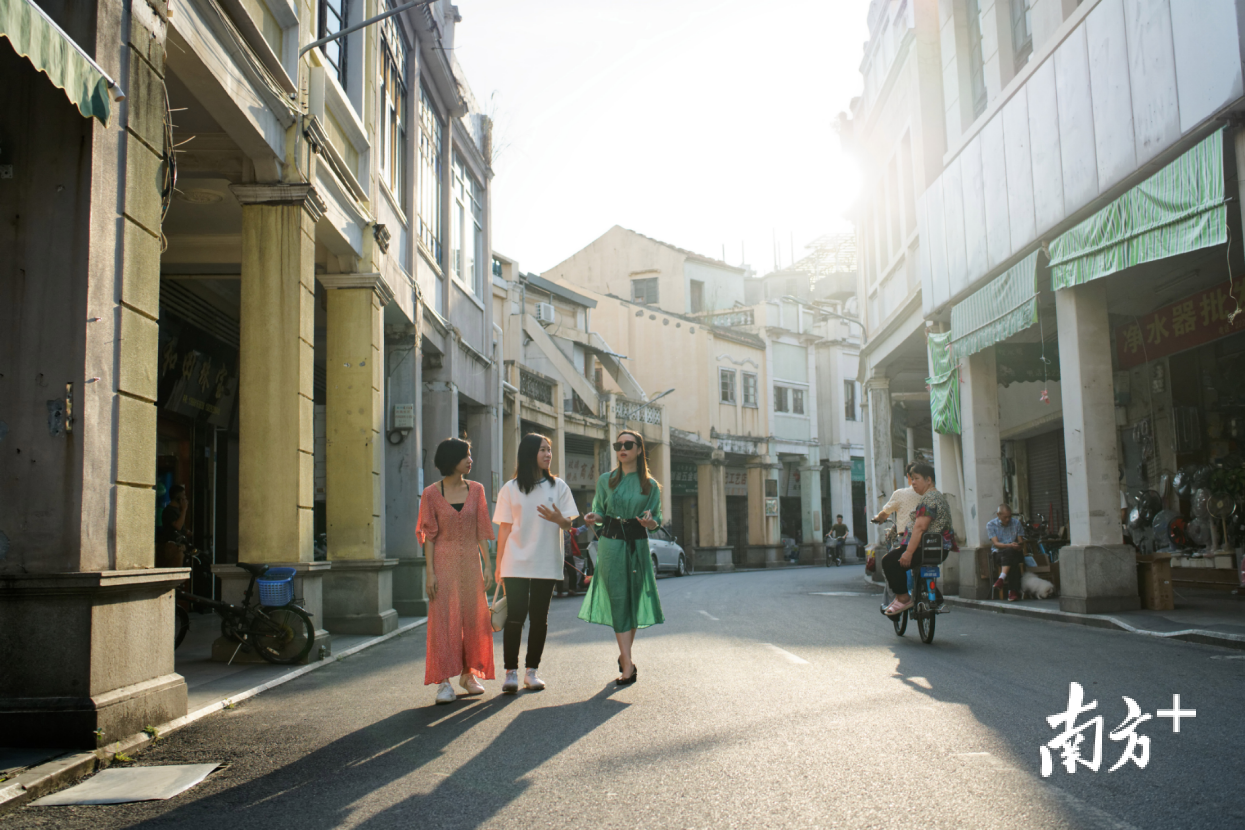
[708, 124]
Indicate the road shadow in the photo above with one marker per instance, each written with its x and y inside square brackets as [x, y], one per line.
[497, 775]
[1011, 685]
[323, 789]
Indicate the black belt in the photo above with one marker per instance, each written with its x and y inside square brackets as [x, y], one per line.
[628, 530]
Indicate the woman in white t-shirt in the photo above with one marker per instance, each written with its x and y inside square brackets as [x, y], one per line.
[533, 510]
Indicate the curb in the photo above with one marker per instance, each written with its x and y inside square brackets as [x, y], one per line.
[1189, 635]
[52, 775]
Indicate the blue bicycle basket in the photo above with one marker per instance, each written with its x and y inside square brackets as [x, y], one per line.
[277, 587]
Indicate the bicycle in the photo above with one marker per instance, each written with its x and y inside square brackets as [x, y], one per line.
[926, 606]
[281, 634]
[834, 552]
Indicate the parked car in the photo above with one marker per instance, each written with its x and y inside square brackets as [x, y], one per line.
[668, 555]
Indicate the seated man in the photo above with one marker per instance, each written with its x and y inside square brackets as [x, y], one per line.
[1006, 533]
[932, 514]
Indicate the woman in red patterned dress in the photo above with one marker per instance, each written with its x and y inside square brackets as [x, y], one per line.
[453, 528]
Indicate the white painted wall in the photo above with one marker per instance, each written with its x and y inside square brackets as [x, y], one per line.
[1126, 87]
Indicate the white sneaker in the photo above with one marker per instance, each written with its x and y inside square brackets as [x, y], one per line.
[472, 685]
[531, 681]
[511, 684]
[445, 693]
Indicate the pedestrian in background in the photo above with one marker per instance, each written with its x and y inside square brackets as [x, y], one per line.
[533, 510]
[623, 590]
[454, 527]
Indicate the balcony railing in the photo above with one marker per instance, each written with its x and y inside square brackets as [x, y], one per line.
[625, 411]
[532, 385]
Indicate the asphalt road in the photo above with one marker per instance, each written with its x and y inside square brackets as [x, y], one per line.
[760, 704]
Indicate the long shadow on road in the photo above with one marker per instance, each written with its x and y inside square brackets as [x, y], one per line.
[324, 788]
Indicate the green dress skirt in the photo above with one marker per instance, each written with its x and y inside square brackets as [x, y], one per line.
[623, 590]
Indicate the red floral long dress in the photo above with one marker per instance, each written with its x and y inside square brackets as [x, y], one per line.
[460, 636]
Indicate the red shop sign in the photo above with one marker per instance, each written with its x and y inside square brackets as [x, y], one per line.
[1190, 322]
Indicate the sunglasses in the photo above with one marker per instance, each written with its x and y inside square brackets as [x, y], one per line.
[619, 446]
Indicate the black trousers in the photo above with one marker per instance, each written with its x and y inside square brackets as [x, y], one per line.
[897, 575]
[1011, 558]
[526, 598]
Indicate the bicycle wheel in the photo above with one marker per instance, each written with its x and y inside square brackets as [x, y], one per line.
[282, 635]
[181, 625]
[901, 623]
[925, 625]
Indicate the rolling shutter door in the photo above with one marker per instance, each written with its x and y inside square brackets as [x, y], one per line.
[1048, 477]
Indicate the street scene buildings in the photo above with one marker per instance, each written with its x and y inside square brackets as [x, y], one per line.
[249, 284]
[1047, 275]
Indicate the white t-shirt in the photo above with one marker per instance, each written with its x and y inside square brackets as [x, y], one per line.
[534, 547]
[903, 502]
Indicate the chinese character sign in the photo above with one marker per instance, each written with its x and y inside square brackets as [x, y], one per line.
[1182, 325]
[1079, 743]
[198, 374]
[580, 471]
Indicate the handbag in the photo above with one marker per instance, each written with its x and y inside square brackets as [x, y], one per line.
[497, 608]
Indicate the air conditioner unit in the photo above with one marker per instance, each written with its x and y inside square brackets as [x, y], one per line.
[544, 313]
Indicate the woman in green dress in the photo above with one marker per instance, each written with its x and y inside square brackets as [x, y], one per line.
[623, 591]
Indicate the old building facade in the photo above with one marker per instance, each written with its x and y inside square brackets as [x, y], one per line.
[1074, 205]
[281, 252]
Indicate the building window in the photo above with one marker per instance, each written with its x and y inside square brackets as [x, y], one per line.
[429, 207]
[644, 291]
[750, 389]
[726, 385]
[976, 64]
[698, 296]
[393, 98]
[1022, 31]
[849, 400]
[333, 17]
[789, 400]
[467, 247]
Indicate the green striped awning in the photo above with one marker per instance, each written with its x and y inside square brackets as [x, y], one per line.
[36, 37]
[944, 385]
[1178, 209]
[994, 313]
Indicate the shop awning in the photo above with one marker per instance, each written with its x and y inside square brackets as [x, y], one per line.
[1179, 209]
[1006, 306]
[36, 37]
[944, 385]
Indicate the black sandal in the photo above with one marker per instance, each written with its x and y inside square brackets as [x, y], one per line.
[627, 681]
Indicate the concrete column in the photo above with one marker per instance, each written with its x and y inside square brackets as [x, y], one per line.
[276, 370]
[404, 474]
[878, 475]
[482, 431]
[811, 525]
[1097, 572]
[559, 428]
[947, 475]
[983, 471]
[713, 553]
[440, 412]
[763, 547]
[358, 591]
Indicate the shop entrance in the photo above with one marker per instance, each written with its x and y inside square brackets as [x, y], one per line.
[737, 527]
[196, 439]
[1048, 476]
